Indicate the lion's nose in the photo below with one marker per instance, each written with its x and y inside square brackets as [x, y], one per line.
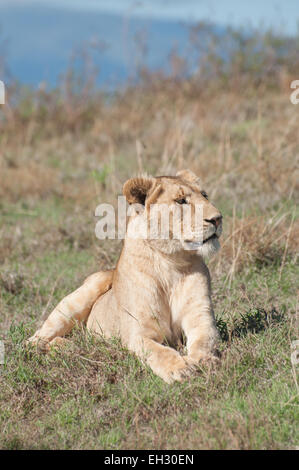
[215, 220]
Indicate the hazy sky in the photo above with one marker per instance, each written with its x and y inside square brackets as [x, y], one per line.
[40, 36]
[276, 13]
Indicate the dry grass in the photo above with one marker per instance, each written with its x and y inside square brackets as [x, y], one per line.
[245, 148]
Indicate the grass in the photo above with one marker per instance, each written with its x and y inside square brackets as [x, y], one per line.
[98, 395]
[55, 168]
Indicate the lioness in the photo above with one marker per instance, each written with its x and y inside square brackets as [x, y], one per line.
[160, 288]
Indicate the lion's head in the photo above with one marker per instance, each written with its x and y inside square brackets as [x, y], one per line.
[176, 213]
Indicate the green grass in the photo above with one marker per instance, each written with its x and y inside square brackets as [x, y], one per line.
[98, 395]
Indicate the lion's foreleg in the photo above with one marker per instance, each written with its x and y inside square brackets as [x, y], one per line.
[202, 336]
[73, 308]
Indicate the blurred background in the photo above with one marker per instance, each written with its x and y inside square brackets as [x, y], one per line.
[97, 91]
[40, 38]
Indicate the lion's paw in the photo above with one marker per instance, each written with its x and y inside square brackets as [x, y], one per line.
[178, 370]
[204, 360]
[39, 343]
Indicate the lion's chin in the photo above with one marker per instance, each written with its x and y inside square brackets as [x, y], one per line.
[206, 249]
[210, 248]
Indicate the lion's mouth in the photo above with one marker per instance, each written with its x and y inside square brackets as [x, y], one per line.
[193, 245]
[212, 237]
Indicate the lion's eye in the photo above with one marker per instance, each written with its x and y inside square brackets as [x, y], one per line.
[204, 194]
[181, 201]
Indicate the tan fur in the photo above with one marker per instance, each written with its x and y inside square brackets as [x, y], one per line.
[158, 291]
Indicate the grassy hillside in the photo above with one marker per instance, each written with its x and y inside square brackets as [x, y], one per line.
[58, 160]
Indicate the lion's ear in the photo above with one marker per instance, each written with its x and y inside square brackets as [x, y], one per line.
[189, 176]
[137, 189]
